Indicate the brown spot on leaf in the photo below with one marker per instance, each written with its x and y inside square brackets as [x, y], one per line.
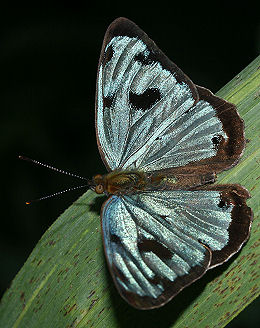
[91, 294]
[93, 303]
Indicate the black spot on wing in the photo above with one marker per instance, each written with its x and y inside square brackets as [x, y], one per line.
[115, 239]
[108, 101]
[216, 141]
[145, 100]
[108, 55]
[164, 217]
[148, 245]
[145, 59]
[223, 204]
[119, 274]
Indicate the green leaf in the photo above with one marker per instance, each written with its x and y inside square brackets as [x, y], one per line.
[65, 281]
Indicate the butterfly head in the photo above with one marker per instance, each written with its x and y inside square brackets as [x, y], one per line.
[98, 184]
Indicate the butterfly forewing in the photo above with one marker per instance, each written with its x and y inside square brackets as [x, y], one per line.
[150, 116]
[139, 92]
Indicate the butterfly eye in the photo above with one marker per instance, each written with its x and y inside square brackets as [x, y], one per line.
[99, 189]
[98, 178]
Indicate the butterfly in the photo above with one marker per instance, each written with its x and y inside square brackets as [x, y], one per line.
[162, 139]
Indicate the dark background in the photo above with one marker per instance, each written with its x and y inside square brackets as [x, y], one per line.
[48, 62]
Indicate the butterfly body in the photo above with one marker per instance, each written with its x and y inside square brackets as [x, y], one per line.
[163, 139]
[127, 182]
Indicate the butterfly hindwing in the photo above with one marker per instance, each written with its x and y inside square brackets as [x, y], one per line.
[148, 262]
[158, 242]
[149, 114]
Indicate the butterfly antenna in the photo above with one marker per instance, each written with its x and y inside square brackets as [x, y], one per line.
[55, 194]
[89, 183]
[51, 167]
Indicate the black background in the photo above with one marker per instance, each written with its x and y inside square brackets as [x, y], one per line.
[48, 62]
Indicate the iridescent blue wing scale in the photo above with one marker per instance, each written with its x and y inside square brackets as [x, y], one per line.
[158, 242]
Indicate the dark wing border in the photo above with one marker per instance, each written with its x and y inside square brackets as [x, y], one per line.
[171, 288]
[242, 218]
[229, 151]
